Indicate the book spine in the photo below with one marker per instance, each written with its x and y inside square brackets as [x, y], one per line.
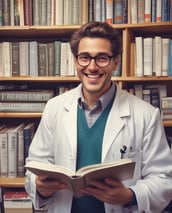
[165, 55]
[6, 55]
[158, 57]
[20, 154]
[90, 10]
[153, 11]
[42, 59]
[28, 13]
[28, 135]
[1, 22]
[118, 12]
[147, 14]
[97, 10]
[51, 59]
[5, 12]
[165, 11]
[139, 56]
[12, 22]
[147, 57]
[158, 11]
[57, 46]
[59, 12]
[24, 58]
[36, 12]
[15, 59]
[33, 58]
[12, 154]
[4, 154]
[133, 11]
[125, 11]
[170, 59]
[141, 11]
[83, 15]
[109, 11]
[170, 6]
[43, 15]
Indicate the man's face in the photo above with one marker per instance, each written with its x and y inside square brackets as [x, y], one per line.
[95, 80]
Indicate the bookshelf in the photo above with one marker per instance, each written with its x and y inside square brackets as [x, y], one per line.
[56, 32]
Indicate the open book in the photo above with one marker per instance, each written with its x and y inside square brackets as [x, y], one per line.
[122, 169]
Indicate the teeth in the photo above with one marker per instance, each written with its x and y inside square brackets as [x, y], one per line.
[93, 76]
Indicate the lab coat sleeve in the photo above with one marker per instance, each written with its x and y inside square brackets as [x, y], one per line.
[154, 190]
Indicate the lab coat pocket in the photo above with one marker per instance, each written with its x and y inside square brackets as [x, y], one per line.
[136, 156]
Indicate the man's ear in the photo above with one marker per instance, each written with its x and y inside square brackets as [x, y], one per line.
[116, 62]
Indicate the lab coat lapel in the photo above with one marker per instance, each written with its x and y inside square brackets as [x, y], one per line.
[70, 120]
[116, 120]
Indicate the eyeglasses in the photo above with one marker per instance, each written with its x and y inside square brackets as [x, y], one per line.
[101, 60]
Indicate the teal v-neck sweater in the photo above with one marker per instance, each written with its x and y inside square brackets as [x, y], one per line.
[89, 151]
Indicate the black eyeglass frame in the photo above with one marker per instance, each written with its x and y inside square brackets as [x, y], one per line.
[95, 57]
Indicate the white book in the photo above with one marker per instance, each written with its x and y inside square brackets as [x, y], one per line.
[83, 15]
[12, 13]
[138, 88]
[67, 12]
[20, 150]
[133, 11]
[6, 55]
[158, 11]
[33, 58]
[1, 61]
[157, 54]
[24, 58]
[70, 60]
[63, 60]
[147, 15]
[147, 58]
[4, 152]
[59, 9]
[165, 55]
[12, 152]
[139, 57]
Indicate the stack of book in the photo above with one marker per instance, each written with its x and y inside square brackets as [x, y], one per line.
[14, 146]
[17, 201]
[166, 108]
[24, 101]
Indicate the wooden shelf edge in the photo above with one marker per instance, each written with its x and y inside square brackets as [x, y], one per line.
[18, 182]
[76, 79]
[20, 115]
[167, 123]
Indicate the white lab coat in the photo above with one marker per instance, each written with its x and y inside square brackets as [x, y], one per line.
[131, 122]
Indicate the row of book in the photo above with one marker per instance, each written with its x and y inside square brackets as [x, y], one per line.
[33, 58]
[24, 100]
[156, 95]
[151, 56]
[146, 11]
[14, 146]
[151, 93]
[74, 12]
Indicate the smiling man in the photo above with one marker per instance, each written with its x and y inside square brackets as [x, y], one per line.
[89, 124]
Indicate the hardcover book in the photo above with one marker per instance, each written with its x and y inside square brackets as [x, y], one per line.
[122, 169]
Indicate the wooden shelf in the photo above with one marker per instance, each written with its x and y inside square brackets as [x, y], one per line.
[20, 114]
[12, 182]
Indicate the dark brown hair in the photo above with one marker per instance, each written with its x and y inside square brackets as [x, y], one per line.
[97, 30]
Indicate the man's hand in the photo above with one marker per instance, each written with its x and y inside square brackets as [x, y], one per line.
[110, 191]
[47, 187]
